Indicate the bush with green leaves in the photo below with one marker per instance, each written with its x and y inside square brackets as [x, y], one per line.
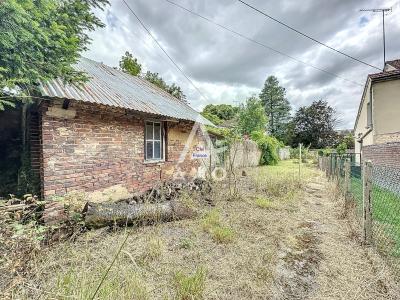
[341, 149]
[305, 153]
[269, 146]
[327, 152]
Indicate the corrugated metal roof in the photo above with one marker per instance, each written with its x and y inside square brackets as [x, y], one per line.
[112, 87]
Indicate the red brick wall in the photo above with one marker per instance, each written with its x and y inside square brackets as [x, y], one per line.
[102, 147]
[383, 154]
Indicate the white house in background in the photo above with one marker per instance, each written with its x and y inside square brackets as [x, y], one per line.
[377, 126]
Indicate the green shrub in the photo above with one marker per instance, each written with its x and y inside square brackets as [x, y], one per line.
[305, 153]
[341, 149]
[269, 146]
[327, 151]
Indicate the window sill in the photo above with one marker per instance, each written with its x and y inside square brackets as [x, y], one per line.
[154, 162]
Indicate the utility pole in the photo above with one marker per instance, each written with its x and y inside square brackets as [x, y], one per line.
[383, 11]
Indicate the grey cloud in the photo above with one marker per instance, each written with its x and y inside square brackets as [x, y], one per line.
[215, 58]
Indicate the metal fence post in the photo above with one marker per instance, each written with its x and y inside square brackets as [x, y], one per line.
[337, 169]
[326, 166]
[367, 191]
[347, 182]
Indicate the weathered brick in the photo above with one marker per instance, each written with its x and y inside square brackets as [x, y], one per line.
[102, 147]
[385, 154]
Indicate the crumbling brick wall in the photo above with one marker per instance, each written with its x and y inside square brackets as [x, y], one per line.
[90, 148]
[387, 154]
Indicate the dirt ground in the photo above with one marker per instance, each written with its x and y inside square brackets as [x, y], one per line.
[278, 240]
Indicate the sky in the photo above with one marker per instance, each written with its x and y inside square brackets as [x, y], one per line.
[229, 69]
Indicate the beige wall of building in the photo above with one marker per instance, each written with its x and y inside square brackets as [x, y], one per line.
[386, 109]
[385, 114]
[362, 124]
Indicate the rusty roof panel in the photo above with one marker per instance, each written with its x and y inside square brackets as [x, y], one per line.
[112, 87]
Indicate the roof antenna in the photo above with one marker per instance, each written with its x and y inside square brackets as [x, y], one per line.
[383, 11]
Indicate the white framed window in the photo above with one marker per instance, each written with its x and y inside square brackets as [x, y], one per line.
[154, 141]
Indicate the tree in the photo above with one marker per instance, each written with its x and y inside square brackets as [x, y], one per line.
[130, 65]
[252, 116]
[176, 91]
[220, 112]
[314, 125]
[41, 40]
[276, 106]
[157, 80]
[347, 139]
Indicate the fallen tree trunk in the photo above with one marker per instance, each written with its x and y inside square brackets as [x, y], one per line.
[121, 213]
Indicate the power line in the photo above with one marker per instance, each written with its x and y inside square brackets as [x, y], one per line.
[262, 44]
[165, 52]
[306, 35]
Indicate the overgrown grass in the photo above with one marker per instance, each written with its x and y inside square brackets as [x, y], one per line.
[385, 216]
[263, 203]
[186, 243]
[153, 250]
[124, 283]
[222, 234]
[283, 179]
[148, 266]
[190, 286]
[211, 219]
[212, 224]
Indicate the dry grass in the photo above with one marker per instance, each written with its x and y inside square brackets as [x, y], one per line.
[232, 251]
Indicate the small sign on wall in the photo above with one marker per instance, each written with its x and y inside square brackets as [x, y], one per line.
[200, 152]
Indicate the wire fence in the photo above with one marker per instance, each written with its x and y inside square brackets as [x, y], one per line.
[374, 191]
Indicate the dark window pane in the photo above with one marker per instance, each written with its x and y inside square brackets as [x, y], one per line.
[157, 150]
[149, 131]
[157, 131]
[149, 150]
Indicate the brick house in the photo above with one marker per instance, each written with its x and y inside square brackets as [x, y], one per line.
[377, 126]
[116, 131]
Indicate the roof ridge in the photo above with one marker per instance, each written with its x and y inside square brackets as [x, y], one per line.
[146, 82]
[113, 87]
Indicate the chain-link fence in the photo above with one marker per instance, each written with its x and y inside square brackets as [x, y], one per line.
[374, 191]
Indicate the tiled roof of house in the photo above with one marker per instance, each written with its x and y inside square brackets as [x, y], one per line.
[112, 87]
[384, 74]
[394, 63]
